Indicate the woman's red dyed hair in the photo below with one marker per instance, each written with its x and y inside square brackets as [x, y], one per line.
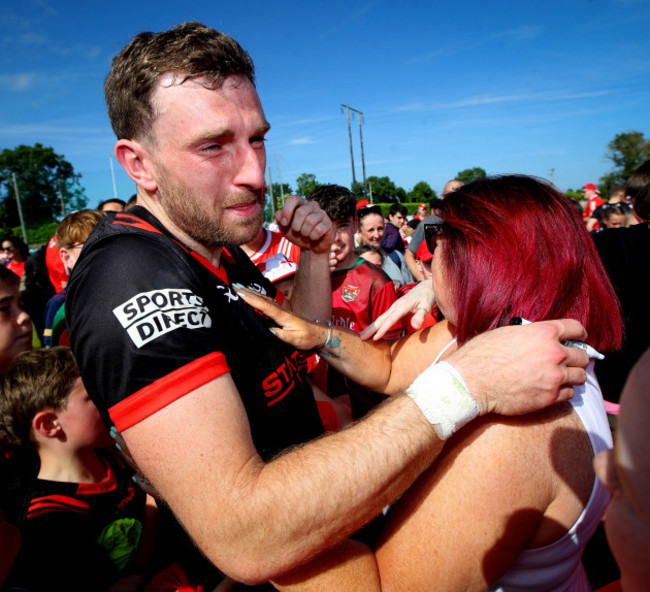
[516, 247]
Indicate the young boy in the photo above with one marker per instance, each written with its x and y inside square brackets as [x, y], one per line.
[83, 517]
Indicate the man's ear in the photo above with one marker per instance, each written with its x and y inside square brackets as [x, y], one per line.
[46, 423]
[66, 258]
[137, 163]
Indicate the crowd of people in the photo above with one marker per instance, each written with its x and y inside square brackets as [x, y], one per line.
[344, 401]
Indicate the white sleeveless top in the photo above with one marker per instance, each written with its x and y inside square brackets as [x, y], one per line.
[557, 567]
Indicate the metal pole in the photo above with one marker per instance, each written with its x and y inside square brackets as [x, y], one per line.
[354, 181]
[363, 159]
[58, 183]
[113, 177]
[280, 175]
[271, 194]
[20, 209]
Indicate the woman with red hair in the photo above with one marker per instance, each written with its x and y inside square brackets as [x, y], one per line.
[511, 502]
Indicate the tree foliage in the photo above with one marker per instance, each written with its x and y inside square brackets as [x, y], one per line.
[627, 151]
[42, 177]
[421, 193]
[306, 184]
[469, 175]
[385, 191]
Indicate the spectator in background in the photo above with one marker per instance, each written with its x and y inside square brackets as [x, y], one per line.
[393, 240]
[616, 197]
[369, 253]
[625, 253]
[83, 492]
[268, 243]
[423, 212]
[592, 195]
[370, 231]
[111, 205]
[418, 235]
[57, 272]
[16, 252]
[613, 216]
[71, 236]
[15, 324]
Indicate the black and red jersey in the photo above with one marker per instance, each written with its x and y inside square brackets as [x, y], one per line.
[79, 536]
[150, 321]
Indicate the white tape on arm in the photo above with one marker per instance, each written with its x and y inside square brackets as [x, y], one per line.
[443, 397]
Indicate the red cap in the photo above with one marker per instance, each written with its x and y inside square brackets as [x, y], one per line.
[362, 203]
[423, 206]
[423, 253]
[591, 186]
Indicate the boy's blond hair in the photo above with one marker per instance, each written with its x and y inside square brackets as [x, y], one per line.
[36, 381]
[76, 227]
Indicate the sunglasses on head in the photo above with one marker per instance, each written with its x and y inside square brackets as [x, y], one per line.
[431, 232]
[366, 210]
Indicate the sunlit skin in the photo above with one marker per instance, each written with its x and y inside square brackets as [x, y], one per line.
[343, 246]
[398, 220]
[15, 325]
[450, 186]
[373, 257]
[203, 177]
[371, 230]
[80, 420]
[614, 221]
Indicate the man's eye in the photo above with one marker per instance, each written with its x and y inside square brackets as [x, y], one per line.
[259, 140]
[211, 147]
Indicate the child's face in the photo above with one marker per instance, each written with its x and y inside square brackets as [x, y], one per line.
[81, 421]
[15, 325]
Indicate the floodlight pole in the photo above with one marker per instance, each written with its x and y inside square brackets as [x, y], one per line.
[20, 209]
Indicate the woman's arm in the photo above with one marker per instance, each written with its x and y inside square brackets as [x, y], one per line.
[385, 367]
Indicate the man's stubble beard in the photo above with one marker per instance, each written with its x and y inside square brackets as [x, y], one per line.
[185, 210]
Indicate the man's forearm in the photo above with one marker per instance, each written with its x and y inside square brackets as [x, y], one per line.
[314, 496]
[311, 297]
[412, 265]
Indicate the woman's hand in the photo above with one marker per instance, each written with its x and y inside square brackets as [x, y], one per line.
[292, 329]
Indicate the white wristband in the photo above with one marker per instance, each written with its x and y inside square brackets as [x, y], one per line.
[443, 397]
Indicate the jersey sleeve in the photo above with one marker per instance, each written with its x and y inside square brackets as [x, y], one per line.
[139, 327]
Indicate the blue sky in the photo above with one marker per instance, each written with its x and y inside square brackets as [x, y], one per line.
[521, 86]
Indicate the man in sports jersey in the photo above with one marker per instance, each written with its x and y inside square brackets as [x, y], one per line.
[192, 378]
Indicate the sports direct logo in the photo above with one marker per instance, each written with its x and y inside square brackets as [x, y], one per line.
[149, 315]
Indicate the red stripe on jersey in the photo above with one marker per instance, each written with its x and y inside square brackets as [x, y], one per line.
[167, 389]
[128, 220]
[55, 503]
[108, 483]
[220, 273]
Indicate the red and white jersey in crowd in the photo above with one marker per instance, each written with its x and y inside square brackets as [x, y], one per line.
[274, 243]
[595, 202]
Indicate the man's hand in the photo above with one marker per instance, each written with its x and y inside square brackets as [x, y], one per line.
[517, 370]
[419, 301]
[305, 224]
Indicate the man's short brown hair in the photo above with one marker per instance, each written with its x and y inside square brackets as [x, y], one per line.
[76, 227]
[36, 381]
[191, 50]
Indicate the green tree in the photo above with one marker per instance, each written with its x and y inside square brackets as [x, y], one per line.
[306, 184]
[359, 191]
[385, 191]
[627, 151]
[469, 175]
[42, 177]
[421, 193]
